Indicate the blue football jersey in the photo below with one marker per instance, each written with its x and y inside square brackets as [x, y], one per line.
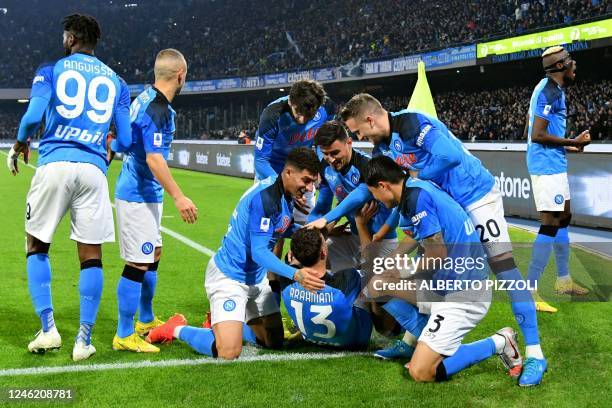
[341, 183]
[329, 316]
[153, 129]
[263, 210]
[426, 210]
[413, 134]
[279, 133]
[547, 102]
[85, 96]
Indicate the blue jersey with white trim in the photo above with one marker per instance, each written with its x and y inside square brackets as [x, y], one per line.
[153, 130]
[426, 210]
[84, 96]
[279, 133]
[547, 102]
[329, 316]
[264, 210]
[342, 183]
[412, 144]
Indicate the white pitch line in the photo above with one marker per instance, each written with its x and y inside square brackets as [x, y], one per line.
[173, 234]
[173, 363]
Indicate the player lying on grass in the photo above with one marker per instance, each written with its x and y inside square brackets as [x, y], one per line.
[79, 96]
[342, 172]
[139, 197]
[236, 282]
[448, 237]
[424, 145]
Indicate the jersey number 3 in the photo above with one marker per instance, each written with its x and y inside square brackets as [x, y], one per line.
[322, 311]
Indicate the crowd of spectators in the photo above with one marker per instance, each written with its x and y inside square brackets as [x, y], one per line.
[242, 37]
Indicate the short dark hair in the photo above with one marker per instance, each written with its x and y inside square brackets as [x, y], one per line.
[358, 104]
[83, 27]
[383, 168]
[329, 132]
[303, 158]
[307, 96]
[306, 246]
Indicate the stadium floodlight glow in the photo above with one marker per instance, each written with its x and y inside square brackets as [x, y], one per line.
[567, 35]
[282, 90]
[23, 100]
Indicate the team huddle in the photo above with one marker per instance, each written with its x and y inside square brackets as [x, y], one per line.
[419, 178]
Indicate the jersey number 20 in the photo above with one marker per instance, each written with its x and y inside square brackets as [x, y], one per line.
[73, 105]
[322, 311]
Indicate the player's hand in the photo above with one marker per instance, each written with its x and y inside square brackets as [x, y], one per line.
[308, 279]
[317, 224]
[413, 173]
[13, 156]
[110, 155]
[583, 139]
[301, 204]
[187, 209]
[338, 230]
[574, 149]
[365, 214]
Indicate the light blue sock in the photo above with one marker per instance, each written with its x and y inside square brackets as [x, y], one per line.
[248, 334]
[91, 282]
[128, 296]
[145, 313]
[407, 315]
[469, 354]
[523, 308]
[542, 247]
[201, 340]
[562, 252]
[39, 284]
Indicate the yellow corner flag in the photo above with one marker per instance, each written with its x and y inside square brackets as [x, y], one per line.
[421, 96]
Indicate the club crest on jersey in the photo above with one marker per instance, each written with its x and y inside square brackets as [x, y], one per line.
[229, 305]
[355, 178]
[264, 225]
[147, 248]
[397, 145]
[284, 225]
[317, 116]
[559, 199]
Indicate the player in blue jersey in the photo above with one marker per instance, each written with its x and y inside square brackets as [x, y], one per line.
[454, 258]
[79, 96]
[547, 165]
[236, 282]
[342, 172]
[424, 146]
[139, 199]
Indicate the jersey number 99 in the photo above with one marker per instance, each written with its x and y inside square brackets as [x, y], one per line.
[73, 105]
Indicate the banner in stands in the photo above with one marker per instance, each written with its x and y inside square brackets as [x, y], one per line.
[450, 57]
[590, 177]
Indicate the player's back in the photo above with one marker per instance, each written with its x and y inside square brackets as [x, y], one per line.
[425, 209]
[329, 316]
[83, 95]
[412, 131]
[153, 127]
[262, 209]
[547, 102]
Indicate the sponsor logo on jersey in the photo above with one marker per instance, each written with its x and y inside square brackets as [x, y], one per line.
[300, 137]
[422, 135]
[147, 248]
[416, 219]
[157, 139]
[264, 224]
[75, 133]
[406, 160]
[38, 78]
[285, 224]
[229, 305]
[341, 193]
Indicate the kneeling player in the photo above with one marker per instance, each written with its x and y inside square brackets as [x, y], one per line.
[446, 232]
[236, 282]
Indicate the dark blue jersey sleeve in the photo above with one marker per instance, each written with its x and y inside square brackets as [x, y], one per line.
[264, 140]
[445, 154]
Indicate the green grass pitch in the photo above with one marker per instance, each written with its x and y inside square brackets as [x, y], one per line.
[576, 340]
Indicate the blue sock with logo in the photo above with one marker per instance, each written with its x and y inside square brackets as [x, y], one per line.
[128, 298]
[523, 307]
[39, 285]
[91, 282]
[562, 252]
[466, 356]
[145, 313]
[542, 247]
[201, 340]
[407, 315]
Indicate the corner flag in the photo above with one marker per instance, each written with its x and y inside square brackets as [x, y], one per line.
[421, 96]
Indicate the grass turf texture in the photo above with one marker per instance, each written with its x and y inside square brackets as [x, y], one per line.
[576, 340]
